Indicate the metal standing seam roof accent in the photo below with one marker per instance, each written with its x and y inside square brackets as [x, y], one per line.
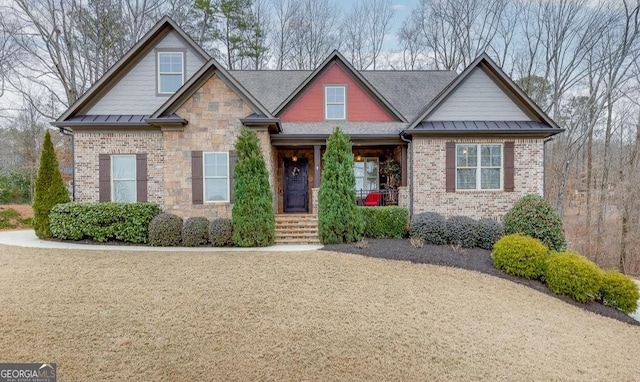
[480, 127]
[108, 119]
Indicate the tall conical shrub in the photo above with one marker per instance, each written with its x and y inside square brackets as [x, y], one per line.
[252, 215]
[50, 189]
[338, 217]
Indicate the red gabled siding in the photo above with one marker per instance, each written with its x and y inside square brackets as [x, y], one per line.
[309, 107]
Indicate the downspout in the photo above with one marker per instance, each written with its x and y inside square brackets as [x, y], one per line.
[69, 133]
[410, 155]
[544, 165]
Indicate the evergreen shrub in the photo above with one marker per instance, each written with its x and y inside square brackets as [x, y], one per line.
[165, 230]
[195, 232]
[253, 217]
[489, 231]
[338, 217]
[619, 291]
[221, 232]
[574, 276]
[533, 216]
[385, 222]
[462, 231]
[430, 227]
[520, 255]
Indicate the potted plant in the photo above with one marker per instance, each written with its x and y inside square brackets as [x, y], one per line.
[390, 168]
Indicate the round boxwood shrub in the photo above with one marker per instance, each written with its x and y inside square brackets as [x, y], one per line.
[619, 291]
[195, 232]
[520, 255]
[165, 230]
[572, 275]
[221, 232]
[533, 216]
[430, 227]
[489, 231]
[462, 231]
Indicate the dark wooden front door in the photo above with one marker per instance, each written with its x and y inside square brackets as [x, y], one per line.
[296, 188]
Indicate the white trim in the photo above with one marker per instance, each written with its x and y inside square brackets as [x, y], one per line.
[204, 178]
[135, 175]
[159, 73]
[479, 167]
[327, 103]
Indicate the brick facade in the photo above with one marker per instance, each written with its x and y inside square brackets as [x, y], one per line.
[429, 179]
[88, 146]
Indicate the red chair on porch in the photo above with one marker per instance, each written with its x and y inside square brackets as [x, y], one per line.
[373, 199]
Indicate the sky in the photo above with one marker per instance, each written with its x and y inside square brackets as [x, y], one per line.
[402, 10]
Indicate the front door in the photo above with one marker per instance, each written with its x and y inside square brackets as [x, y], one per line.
[296, 191]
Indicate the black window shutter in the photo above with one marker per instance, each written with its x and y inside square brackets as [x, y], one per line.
[509, 171]
[141, 177]
[232, 180]
[104, 177]
[196, 178]
[450, 167]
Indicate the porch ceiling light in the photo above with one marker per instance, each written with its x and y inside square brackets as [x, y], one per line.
[294, 158]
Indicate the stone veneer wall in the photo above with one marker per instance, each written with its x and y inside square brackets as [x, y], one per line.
[429, 193]
[214, 113]
[88, 146]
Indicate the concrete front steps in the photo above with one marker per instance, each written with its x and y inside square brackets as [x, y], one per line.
[297, 229]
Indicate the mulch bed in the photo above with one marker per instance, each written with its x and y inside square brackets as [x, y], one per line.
[475, 259]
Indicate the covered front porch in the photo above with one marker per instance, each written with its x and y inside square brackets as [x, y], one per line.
[380, 169]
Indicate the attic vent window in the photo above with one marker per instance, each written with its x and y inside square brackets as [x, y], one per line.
[334, 101]
[170, 71]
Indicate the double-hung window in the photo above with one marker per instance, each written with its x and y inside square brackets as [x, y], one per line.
[366, 174]
[123, 178]
[216, 177]
[334, 102]
[170, 71]
[478, 167]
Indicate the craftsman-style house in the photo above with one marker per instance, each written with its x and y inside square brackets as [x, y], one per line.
[161, 125]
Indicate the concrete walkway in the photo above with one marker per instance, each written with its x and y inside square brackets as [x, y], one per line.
[28, 239]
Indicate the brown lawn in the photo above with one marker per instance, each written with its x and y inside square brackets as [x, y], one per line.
[140, 316]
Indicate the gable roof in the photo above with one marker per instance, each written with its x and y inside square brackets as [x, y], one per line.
[511, 89]
[109, 79]
[350, 70]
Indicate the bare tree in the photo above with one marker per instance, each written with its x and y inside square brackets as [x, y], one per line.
[315, 32]
[285, 13]
[412, 43]
[365, 28]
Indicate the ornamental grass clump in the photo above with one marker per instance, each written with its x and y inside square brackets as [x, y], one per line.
[253, 218]
[430, 227]
[165, 230]
[520, 255]
[619, 291]
[338, 218]
[195, 232]
[569, 274]
[533, 216]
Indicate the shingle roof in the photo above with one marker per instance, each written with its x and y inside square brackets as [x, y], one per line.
[407, 91]
[351, 128]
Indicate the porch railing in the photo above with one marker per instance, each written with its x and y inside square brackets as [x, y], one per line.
[374, 198]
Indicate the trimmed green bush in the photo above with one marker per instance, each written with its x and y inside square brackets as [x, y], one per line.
[101, 222]
[254, 223]
[49, 191]
[221, 232]
[533, 216]
[520, 256]
[165, 230]
[462, 231]
[574, 276]
[489, 231]
[385, 222]
[430, 227]
[195, 232]
[619, 291]
[338, 217]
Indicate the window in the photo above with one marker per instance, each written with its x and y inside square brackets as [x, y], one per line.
[366, 173]
[334, 100]
[170, 72]
[216, 177]
[123, 178]
[478, 167]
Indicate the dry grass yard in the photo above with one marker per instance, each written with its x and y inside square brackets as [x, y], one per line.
[140, 316]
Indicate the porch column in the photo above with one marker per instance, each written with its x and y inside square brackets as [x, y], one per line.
[403, 166]
[316, 166]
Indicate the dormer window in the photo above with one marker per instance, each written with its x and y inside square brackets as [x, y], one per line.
[334, 102]
[170, 72]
